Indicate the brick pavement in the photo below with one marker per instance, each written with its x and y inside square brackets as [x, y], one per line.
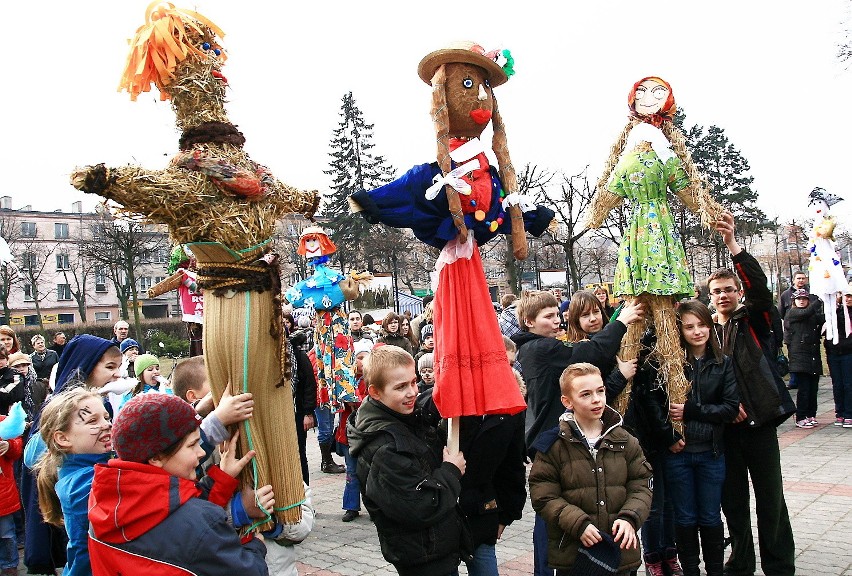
[817, 468]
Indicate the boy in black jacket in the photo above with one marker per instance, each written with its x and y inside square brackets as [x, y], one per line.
[751, 442]
[409, 488]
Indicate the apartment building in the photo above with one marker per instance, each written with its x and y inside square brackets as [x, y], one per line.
[46, 247]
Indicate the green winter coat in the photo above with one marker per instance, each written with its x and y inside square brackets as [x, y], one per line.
[571, 490]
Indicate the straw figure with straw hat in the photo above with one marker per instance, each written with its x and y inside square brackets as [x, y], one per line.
[215, 198]
[649, 159]
[325, 291]
[455, 205]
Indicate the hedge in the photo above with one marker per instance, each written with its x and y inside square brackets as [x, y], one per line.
[170, 331]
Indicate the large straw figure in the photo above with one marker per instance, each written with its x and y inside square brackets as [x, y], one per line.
[455, 204]
[648, 160]
[826, 272]
[214, 198]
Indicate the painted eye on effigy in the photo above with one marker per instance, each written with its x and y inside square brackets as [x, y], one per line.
[467, 83]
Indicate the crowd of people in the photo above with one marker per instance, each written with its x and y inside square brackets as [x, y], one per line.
[112, 459]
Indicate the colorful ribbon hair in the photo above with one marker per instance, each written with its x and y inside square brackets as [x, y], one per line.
[169, 36]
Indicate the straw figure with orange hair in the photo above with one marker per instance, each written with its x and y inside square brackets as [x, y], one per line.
[648, 160]
[215, 198]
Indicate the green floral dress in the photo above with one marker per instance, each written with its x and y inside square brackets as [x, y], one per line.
[651, 258]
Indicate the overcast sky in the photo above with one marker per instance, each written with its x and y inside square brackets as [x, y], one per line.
[765, 72]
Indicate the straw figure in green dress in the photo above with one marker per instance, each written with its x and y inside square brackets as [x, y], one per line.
[649, 160]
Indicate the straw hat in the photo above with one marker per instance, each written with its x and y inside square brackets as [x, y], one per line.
[465, 53]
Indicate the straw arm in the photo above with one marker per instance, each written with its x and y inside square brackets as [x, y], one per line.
[697, 200]
[288, 199]
[167, 285]
[123, 185]
[602, 204]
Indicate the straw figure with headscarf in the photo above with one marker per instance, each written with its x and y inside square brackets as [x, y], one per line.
[456, 204]
[825, 271]
[215, 198]
[324, 292]
[649, 159]
[184, 279]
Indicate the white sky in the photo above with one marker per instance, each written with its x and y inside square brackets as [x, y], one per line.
[765, 72]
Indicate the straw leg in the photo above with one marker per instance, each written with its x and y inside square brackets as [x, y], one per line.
[629, 350]
[669, 351]
[240, 354]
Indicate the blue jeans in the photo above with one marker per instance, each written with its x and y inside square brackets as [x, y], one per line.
[695, 485]
[484, 561]
[657, 532]
[8, 543]
[352, 489]
[840, 368]
[325, 423]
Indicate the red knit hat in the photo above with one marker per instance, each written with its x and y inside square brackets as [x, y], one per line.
[150, 423]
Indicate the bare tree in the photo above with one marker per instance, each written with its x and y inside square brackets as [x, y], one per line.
[120, 247]
[35, 257]
[10, 230]
[570, 206]
[79, 271]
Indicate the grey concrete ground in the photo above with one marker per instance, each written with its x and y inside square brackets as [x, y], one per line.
[817, 468]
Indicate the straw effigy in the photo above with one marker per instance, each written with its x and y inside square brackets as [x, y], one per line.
[696, 197]
[216, 199]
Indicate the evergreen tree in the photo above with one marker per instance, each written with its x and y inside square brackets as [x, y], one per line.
[726, 171]
[353, 167]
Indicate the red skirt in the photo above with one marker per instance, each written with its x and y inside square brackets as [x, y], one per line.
[472, 372]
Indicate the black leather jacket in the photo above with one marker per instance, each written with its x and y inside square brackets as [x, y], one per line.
[712, 402]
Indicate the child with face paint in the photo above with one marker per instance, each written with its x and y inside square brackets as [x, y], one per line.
[90, 362]
[75, 427]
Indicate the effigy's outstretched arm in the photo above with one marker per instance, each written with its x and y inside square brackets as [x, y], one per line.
[131, 186]
[696, 197]
[288, 199]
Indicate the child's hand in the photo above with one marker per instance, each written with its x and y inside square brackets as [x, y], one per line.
[631, 312]
[256, 501]
[590, 536]
[456, 459]
[229, 463]
[627, 368]
[623, 532]
[4, 447]
[234, 409]
[205, 405]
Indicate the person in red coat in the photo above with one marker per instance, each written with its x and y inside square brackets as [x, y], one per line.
[10, 502]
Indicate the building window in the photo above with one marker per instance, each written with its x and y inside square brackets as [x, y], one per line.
[158, 279]
[65, 318]
[103, 316]
[97, 231]
[63, 291]
[31, 320]
[28, 293]
[63, 262]
[29, 261]
[60, 231]
[28, 229]
[144, 283]
[162, 256]
[100, 280]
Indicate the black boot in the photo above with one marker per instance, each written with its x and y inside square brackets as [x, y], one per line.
[328, 465]
[713, 549]
[687, 549]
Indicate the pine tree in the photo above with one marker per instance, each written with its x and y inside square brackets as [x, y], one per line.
[353, 167]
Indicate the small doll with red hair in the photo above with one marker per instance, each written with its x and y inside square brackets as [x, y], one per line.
[325, 291]
[649, 159]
